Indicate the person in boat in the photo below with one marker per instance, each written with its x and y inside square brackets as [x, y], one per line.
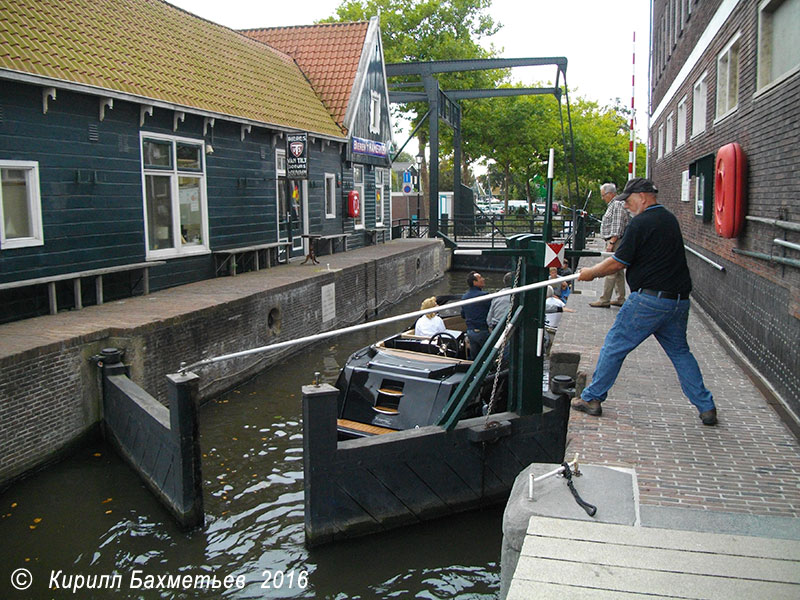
[498, 309]
[430, 324]
[475, 314]
[553, 307]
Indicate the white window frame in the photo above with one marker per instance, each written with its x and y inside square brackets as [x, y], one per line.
[765, 79]
[680, 138]
[699, 105]
[381, 175]
[330, 196]
[726, 92]
[374, 112]
[31, 169]
[174, 173]
[280, 180]
[670, 126]
[660, 154]
[361, 223]
[34, 202]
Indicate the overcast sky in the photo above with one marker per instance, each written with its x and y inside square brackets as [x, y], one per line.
[596, 36]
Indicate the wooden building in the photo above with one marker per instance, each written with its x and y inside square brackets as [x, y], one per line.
[727, 72]
[142, 147]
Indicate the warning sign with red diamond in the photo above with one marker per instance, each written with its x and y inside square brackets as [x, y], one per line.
[554, 255]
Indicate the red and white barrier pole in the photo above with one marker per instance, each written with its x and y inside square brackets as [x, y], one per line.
[632, 142]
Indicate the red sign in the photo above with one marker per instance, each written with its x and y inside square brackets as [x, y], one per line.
[554, 255]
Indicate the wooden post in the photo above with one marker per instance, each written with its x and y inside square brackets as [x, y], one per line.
[319, 450]
[182, 390]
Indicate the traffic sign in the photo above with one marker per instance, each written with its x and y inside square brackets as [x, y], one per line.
[406, 177]
[406, 188]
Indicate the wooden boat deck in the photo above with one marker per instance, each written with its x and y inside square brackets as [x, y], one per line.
[563, 558]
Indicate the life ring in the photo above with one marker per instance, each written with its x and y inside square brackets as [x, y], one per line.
[353, 204]
[729, 190]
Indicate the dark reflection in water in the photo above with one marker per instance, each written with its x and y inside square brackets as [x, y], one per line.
[90, 515]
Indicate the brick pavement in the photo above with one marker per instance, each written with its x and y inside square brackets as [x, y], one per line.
[749, 463]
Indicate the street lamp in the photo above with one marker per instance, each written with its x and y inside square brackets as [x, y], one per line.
[419, 158]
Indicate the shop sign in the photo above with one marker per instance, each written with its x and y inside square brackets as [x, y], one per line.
[370, 147]
[297, 155]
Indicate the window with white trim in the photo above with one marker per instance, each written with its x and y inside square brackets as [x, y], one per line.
[778, 42]
[728, 78]
[661, 141]
[175, 205]
[375, 112]
[358, 185]
[330, 195]
[681, 133]
[20, 205]
[668, 137]
[381, 179]
[699, 104]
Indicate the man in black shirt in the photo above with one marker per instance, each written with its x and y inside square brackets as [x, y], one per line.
[652, 252]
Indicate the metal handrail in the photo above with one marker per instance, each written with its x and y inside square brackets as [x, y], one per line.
[776, 222]
[717, 266]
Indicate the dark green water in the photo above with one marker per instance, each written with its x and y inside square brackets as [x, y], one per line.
[91, 516]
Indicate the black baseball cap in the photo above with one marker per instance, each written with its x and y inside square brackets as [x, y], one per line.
[637, 185]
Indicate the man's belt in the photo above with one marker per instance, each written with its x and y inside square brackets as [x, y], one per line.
[667, 295]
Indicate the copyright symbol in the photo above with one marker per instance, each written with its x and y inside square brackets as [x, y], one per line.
[21, 579]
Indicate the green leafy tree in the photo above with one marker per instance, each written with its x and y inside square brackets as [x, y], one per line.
[427, 30]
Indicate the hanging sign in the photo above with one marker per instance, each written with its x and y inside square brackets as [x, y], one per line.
[554, 255]
[369, 147]
[297, 155]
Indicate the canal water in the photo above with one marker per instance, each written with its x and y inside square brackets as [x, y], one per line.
[90, 516]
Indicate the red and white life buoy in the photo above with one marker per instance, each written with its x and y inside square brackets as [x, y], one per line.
[353, 204]
[729, 190]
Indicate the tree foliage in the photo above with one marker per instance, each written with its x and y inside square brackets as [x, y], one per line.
[514, 133]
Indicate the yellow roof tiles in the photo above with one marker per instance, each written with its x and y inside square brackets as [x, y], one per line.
[153, 50]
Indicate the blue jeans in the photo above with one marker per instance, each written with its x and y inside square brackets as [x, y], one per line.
[640, 317]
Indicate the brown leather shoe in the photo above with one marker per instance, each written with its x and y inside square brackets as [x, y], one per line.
[709, 417]
[592, 407]
[600, 304]
[618, 302]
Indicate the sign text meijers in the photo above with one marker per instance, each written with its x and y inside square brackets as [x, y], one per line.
[370, 147]
[297, 155]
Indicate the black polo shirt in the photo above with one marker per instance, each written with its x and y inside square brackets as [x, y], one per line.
[652, 250]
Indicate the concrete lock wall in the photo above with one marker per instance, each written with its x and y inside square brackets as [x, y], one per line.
[50, 396]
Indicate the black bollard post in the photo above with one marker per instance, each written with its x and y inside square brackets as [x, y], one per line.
[319, 451]
[182, 391]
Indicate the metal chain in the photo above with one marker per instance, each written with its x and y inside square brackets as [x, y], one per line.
[501, 352]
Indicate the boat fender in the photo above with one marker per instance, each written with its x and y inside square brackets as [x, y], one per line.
[729, 190]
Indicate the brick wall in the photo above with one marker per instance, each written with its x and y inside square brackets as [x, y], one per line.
[43, 406]
[756, 302]
[50, 397]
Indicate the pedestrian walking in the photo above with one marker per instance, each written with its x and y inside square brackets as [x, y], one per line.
[612, 228]
[657, 273]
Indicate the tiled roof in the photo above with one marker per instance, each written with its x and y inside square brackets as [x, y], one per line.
[327, 53]
[153, 50]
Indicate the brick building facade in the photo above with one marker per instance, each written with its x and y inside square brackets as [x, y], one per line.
[726, 71]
